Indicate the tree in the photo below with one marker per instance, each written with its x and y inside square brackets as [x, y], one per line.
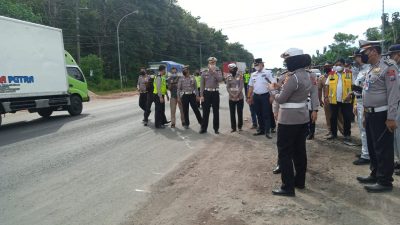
[18, 11]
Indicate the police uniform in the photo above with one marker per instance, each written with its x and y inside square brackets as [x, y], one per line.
[293, 118]
[395, 49]
[234, 86]
[187, 92]
[380, 99]
[198, 82]
[141, 85]
[149, 98]
[160, 91]
[339, 87]
[172, 82]
[209, 90]
[246, 79]
[358, 83]
[259, 81]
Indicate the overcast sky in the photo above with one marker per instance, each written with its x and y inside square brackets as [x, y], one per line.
[267, 28]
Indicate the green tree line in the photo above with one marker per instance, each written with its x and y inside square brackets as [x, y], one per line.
[162, 30]
[345, 44]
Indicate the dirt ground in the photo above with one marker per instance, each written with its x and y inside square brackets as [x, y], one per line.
[230, 182]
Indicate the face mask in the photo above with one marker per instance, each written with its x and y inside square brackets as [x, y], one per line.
[257, 68]
[364, 58]
[185, 73]
[339, 68]
[142, 73]
[211, 67]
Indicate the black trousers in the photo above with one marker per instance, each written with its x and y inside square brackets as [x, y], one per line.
[159, 114]
[263, 111]
[149, 102]
[211, 99]
[233, 107]
[311, 125]
[190, 99]
[347, 111]
[380, 147]
[291, 144]
[143, 101]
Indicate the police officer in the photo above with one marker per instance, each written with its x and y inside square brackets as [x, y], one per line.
[380, 99]
[160, 91]
[198, 81]
[234, 86]
[172, 83]
[246, 78]
[189, 94]
[358, 84]
[150, 96]
[293, 120]
[209, 94]
[259, 96]
[141, 86]
[394, 53]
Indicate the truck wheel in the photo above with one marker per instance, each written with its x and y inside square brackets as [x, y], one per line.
[45, 113]
[76, 106]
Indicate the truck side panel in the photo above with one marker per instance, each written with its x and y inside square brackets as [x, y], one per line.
[31, 60]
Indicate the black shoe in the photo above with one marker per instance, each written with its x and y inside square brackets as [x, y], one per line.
[378, 188]
[145, 124]
[233, 130]
[186, 127]
[254, 127]
[268, 135]
[300, 187]
[310, 137]
[361, 161]
[167, 122]
[273, 130]
[172, 125]
[277, 170]
[367, 180]
[331, 137]
[202, 131]
[216, 131]
[282, 192]
[258, 133]
[240, 129]
[347, 138]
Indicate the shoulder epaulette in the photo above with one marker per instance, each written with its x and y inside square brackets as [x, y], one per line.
[389, 62]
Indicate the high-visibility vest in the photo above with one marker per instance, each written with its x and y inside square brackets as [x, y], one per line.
[163, 85]
[198, 79]
[246, 77]
[347, 79]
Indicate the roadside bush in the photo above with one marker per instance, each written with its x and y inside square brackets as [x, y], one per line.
[94, 63]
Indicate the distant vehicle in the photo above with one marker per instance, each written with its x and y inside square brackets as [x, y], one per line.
[36, 73]
[316, 71]
[168, 64]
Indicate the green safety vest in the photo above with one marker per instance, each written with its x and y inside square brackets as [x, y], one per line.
[163, 86]
[198, 79]
[246, 77]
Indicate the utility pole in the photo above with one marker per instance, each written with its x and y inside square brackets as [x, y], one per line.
[119, 51]
[78, 44]
[383, 25]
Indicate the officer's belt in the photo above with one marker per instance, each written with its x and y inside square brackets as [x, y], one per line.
[292, 105]
[376, 109]
[187, 92]
[211, 89]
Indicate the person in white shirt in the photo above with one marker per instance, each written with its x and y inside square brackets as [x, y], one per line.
[258, 95]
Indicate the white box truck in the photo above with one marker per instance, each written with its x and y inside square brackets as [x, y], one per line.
[33, 71]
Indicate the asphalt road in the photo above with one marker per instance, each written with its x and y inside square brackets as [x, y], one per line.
[92, 169]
